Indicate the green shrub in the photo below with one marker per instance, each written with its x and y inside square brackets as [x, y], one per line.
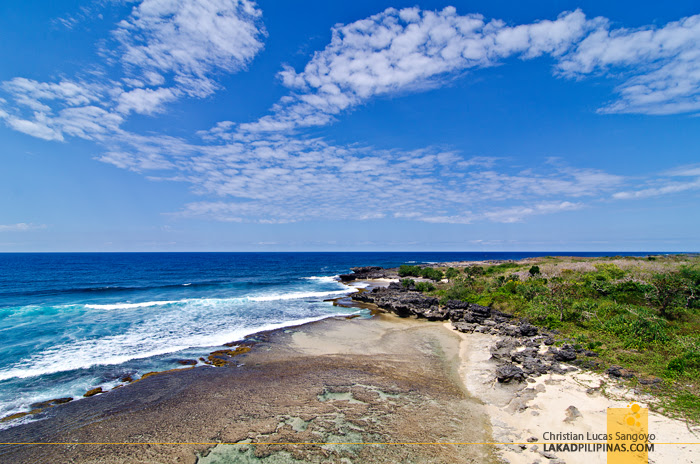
[669, 292]
[534, 270]
[689, 361]
[425, 287]
[474, 271]
[638, 330]
[610, 271]
[407, 283]
[451, 273]
[461, 291]
[500, 268]
[431, 273]
[530, 289]
[406, 270]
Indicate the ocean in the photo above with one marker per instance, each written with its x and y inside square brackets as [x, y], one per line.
[70, 322]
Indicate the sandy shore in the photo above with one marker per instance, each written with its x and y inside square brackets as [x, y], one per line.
[520, 413]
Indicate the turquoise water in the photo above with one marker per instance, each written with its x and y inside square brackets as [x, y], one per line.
[72, 322]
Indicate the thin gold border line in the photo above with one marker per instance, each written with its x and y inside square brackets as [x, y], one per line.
[322, 443]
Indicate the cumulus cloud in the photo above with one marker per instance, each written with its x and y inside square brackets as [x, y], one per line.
[289, 179]
[167, 49]
[145, 101]
[661, 65]
[190, 37]
[266, 172]
[412, 49]
[409, 49]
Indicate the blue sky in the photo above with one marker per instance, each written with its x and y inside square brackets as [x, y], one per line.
[222, 125]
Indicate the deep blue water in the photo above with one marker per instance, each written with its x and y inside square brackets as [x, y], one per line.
[73, 321]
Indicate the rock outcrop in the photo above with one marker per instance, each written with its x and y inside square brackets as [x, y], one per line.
[523, 351]
[366, 272]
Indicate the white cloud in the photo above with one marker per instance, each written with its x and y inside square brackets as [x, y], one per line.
[518, 213]
[145, 101]
[664, 189]
[259, 172]
[34, 128]
[289, 179]
[411, 49]
[168, 48]
[692, 170]
[20, 227]
[661, 65]
[37, 95]
[190, 38]
[400, 50]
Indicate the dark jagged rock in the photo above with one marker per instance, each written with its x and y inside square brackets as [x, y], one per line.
[395, 286]
[499, 316]
[572, 413]
[366, 272]
[650, 381]
[535, 366]
[557, 369]
[93, 392]
[457, 304]
[403, 299]
[509, 372]
[465, 327]
[586, 363]
[436, 314]
[619, 372]
[403, 302]
[519, 356]
[567, 353]
[528, 330]
[53, 402]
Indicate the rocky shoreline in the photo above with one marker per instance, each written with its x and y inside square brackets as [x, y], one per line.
[529, 378]
[474, 375]
[523, 351]
[327, 391]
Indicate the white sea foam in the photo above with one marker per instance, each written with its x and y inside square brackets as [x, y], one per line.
[144, 304]
[145, 342]
[323, 278]
[269, 297]
[359, 284]
[296, 295]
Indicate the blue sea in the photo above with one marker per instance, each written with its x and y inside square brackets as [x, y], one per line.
[70, 322]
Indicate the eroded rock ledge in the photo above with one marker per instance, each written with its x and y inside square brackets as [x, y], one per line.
[523, 350]
[366, 272]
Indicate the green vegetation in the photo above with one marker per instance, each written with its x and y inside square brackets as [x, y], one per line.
[640, 313]
[406, 270]
[451, 273]
[417, 271]
[425, 287]
[498, 268]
